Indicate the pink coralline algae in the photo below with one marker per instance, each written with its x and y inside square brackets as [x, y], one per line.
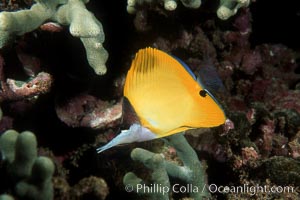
[248, 154]
[88, 111]
[17, 90]
[51, 27]
[229, 125]
[248, 157]
[242, 22]
[265, 143]
[270, 73]
[287, 100]
[251, 115]
[251, 61]
[294, 146]
[40, 84]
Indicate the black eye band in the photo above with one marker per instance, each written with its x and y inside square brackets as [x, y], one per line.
[203, 93]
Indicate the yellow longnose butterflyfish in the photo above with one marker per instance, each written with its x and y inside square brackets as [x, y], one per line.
[166, 98]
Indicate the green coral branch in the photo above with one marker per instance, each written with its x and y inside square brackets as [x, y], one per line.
[6, 197]
[227, 8]
[73, 14]
[168, 4]
[17, 23]
[31, 174]
[83, 24]
[192, 171]
[20, 151]
[159, 175]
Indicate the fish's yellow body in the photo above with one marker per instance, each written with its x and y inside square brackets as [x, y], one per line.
[166, 97]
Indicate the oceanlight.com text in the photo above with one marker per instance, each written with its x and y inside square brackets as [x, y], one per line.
[252, 190]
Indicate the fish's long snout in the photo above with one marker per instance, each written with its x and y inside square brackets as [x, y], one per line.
[136, 133]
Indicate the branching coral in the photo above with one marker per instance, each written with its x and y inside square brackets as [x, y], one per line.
[83, 24]
[6, 197]
[31, 174]
[192, 171]
[159, 176]
[168, 4]
[227, 8]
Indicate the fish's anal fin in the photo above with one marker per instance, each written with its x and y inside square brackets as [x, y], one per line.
[136, 133]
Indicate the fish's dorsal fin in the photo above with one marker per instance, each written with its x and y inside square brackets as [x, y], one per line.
[186, 67]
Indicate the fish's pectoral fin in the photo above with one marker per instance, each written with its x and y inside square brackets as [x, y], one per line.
[136, 133]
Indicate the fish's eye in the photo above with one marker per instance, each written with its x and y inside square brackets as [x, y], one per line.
[203, 93]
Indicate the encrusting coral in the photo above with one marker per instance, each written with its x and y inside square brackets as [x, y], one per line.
[192, 172]
[101, 114]
[31, 174]
[12, 90]
[83, 24]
